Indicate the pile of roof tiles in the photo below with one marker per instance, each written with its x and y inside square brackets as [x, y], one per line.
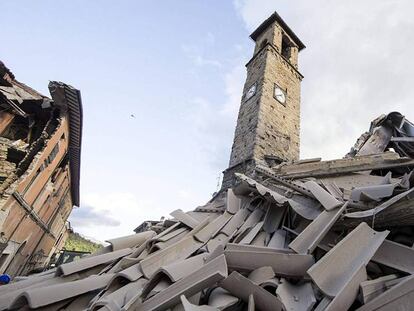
[309, 235]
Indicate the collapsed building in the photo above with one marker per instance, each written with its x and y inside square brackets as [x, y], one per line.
[40, 141]
[281, 234]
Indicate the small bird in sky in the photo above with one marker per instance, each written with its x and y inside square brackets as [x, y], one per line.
[132, 116]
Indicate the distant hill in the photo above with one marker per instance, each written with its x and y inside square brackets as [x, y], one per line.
[76, 242]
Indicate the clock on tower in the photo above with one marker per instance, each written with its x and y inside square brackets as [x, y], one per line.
[268, 123]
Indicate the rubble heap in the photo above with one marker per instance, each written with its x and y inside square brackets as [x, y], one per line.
[312, 234]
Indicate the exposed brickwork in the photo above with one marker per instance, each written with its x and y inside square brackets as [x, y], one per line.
[6, 167]
[38, 172]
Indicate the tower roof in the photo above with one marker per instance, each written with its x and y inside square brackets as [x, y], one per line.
[276, 18]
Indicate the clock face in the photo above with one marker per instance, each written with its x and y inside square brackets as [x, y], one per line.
[280, 95]
[250, 93]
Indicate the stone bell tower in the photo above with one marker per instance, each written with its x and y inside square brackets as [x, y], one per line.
[268, 124]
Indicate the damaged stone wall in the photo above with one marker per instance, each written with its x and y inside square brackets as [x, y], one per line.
[6, 167]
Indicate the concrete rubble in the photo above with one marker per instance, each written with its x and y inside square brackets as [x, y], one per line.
[304, 235]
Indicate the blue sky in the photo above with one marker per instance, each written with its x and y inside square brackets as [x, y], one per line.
[178, 68]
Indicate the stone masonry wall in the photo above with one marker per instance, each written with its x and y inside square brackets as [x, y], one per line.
[247, 121]
[264, 125]
[279, 125]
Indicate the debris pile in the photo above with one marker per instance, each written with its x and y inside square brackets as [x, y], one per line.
[323, 235]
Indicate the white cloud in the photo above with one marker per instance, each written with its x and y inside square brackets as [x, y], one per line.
[358, 65]
[254, 12]
[185, 194]
[234, 81]
[210, 38]
[213, 124]
[112, 214]
[88, 216]
[199, 60]
[196, 53]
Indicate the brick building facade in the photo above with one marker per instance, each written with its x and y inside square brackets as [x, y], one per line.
[40, 141]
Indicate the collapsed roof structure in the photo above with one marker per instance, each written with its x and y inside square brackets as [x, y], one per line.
[40, 141]
[312, 234]
[281, 234]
